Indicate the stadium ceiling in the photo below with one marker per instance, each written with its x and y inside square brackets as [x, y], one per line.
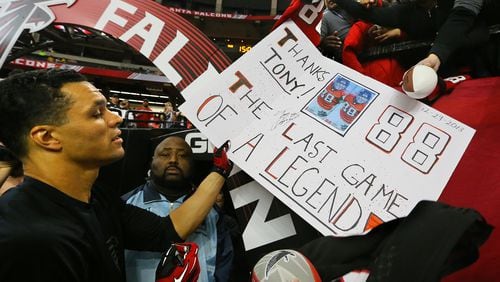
[59, 40]
[84, 46]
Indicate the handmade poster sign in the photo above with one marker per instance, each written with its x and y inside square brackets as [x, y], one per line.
[342, 150]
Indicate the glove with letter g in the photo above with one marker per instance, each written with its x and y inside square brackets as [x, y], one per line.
[222, 165]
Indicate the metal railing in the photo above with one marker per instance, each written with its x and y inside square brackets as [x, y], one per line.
[148, 119]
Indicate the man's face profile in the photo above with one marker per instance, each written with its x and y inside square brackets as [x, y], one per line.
[91, 135]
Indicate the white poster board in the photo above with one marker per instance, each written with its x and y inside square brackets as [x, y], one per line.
[344, 160]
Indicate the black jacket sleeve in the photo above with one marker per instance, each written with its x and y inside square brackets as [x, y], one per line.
[141, 230]
[434, 240]
[461, 28]
[391, 16]
[146, 231]
[225, 251]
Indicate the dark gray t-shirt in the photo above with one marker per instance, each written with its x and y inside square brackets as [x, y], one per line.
[336, 20]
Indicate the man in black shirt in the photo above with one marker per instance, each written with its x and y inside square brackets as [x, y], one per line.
[57, 225]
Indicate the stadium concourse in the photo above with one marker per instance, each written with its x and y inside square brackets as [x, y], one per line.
[148, 100]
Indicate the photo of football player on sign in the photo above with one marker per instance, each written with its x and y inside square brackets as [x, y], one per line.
[339, 104]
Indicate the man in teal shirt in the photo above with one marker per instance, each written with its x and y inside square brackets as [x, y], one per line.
[169, 185]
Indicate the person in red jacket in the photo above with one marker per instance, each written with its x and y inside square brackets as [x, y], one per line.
[143, 116]
[363, 35]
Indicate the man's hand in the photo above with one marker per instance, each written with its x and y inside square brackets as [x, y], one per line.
[432, 61]
[222, 164]
[382, 34]
[331, 42]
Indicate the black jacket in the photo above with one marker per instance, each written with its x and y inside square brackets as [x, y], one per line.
[432, 241]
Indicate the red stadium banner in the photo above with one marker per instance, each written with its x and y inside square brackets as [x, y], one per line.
[177, 48]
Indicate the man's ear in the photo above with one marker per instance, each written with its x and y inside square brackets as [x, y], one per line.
[42, 136]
